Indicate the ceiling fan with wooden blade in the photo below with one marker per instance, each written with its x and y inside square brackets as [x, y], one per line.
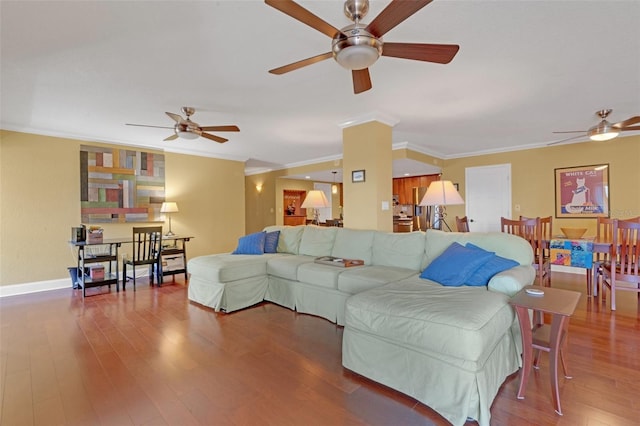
[358, 46]
[603, 131]
[187, 129]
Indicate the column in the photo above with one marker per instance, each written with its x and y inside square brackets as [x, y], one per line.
[367, 148]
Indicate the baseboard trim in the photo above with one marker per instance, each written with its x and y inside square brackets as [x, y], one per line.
[35, 287]
[568, 269]
[26, 288]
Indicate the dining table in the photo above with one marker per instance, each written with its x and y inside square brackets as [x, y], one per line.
[578, 252]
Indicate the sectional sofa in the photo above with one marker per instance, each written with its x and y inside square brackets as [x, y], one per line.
[449, 347]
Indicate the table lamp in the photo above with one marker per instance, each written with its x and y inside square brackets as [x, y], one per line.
[168, 208]
[315, 200]
[441, 193]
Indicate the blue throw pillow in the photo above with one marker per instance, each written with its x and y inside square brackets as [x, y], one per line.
[271, 242]
[251, 244]
[494, 265]
[455, 265]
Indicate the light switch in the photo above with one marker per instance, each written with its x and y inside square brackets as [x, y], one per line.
[385, 205]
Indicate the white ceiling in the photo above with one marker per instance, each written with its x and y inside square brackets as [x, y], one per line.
[82, 69]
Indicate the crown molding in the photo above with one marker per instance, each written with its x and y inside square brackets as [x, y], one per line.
[368, 117]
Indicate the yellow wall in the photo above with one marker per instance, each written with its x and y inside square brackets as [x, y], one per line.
[265, 208]
[367, 147]
[532, 178]
[533, 184]
[40, 202]
[39, 196]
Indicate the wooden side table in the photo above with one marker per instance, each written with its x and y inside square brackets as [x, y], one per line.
[547, 337]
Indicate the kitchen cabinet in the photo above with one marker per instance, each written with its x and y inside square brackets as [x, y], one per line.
[403, 187]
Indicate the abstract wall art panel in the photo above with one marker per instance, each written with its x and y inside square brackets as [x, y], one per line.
[120, 185]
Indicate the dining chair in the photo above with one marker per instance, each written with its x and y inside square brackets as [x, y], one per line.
[622, 272]
[531, 230]
[462, 224]
[604, 232]
[147, 245]
[546, 224]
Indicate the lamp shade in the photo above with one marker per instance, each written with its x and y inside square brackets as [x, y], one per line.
[315, 199]
[441, 193]
[170, 207]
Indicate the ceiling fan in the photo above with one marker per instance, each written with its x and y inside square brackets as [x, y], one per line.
[604, 130]
[187, 129]
[358, 46]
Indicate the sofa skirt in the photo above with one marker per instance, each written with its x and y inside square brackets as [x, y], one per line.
[230, 296]
[308, 299]
[453, 392]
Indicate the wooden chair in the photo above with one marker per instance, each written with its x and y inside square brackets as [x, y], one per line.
[462, 224]
[531, 230]
[623, 268]
[546, 225]
[604, 231]
[147, 244]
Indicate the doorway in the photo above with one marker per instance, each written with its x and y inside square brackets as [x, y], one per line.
[488, 196]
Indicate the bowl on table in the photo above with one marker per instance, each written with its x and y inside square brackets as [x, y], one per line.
[573, 233]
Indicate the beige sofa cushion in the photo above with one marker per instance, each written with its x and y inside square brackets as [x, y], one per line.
[289, 239]
[353, 244]
[319, 275]
[356, 280]
[226, 267]
[462, 324]
[317, 240]
[503, 244]
[403, 250]
[287, 266]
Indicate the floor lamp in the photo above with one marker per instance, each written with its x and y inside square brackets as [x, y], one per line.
[441, 193]
[315, 200]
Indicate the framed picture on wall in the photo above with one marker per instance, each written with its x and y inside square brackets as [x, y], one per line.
[582, 191]
[357, 176]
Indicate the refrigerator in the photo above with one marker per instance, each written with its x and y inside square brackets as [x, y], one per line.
[422, 215]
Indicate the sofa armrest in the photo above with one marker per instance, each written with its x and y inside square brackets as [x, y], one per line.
[512, 280]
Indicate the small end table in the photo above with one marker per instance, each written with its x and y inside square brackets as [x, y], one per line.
[547, 337]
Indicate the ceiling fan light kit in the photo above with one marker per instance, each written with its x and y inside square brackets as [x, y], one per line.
[603, 131]
[357, 51]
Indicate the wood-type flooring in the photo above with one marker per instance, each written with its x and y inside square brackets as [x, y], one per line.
[151, 357]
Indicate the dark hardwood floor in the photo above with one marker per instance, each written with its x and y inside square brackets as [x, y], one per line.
[151, 357]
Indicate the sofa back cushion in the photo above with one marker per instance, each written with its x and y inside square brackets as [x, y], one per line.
[502, 244]
[289, 238]
[353, 244]
[317, 241]
[405, 250]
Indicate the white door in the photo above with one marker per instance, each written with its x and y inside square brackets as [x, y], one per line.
[488, 196]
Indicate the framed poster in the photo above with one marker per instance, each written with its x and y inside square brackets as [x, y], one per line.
[582, 191]
[357, 176]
